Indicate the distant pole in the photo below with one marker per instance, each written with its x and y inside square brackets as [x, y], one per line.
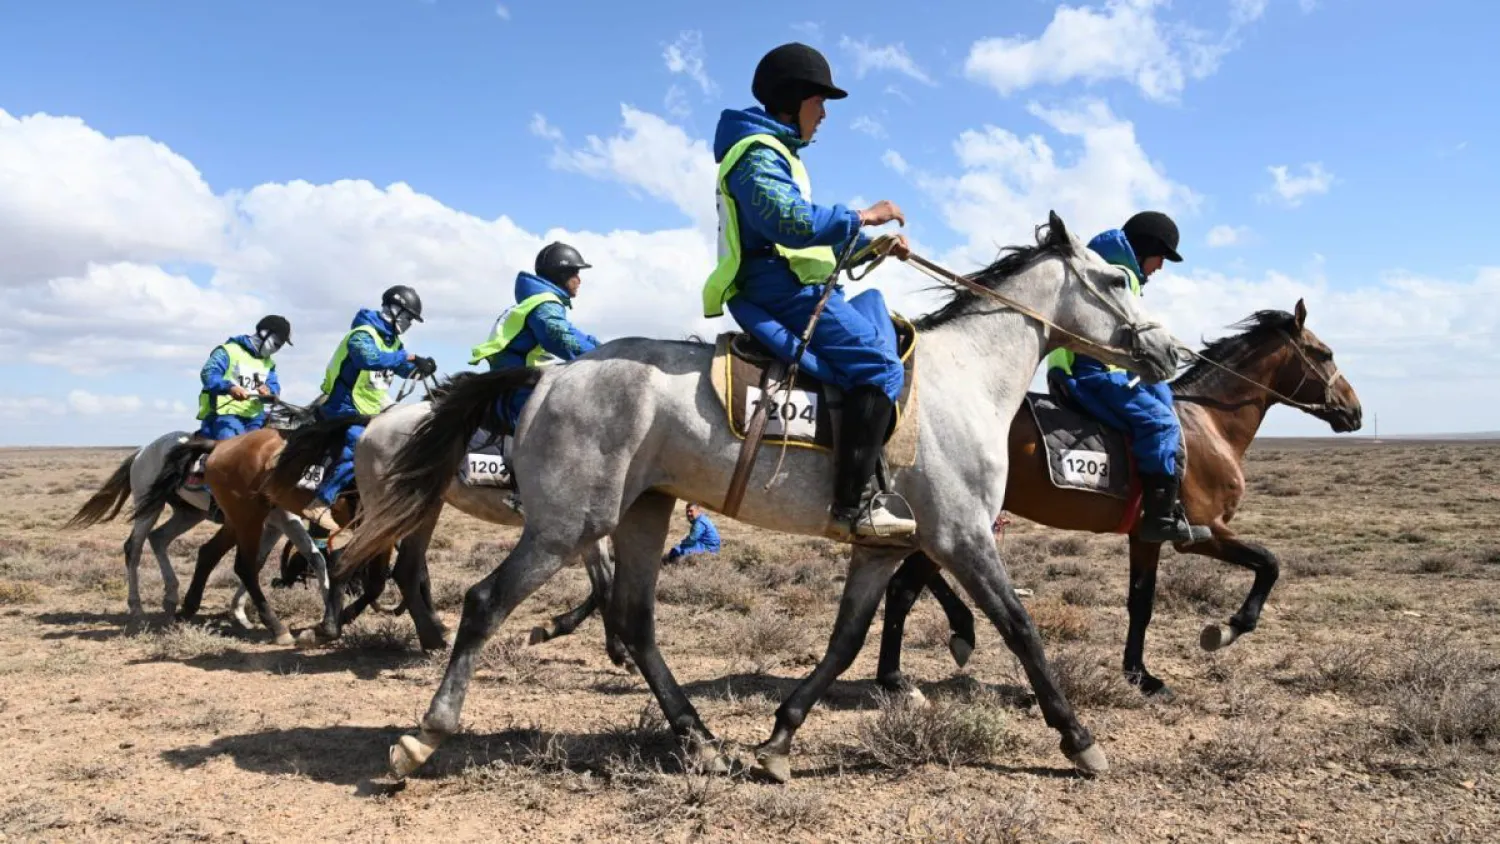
[1377, 428]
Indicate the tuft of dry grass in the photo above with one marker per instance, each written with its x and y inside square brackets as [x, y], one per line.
[379, 633]
[185, 641]
[763, 638]
[1084, 594]
[1438, 563]
[1191, 588]
[1058, 621]
[1071, 545]
[980, 820]
[903, 736]
[710, 586]
[14, 592]
[1086, 683]
[1241, 749]
[1343, 668]
[510, 660]
[1442, 693]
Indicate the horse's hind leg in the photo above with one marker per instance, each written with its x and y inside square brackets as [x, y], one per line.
[411, 576]
[486, 605]
[1246, 555]
[249, 529]
[564, 623]
[139, 530]
[183, 519]
[869, 571]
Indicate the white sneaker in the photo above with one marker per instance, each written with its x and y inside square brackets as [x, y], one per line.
[876, 520]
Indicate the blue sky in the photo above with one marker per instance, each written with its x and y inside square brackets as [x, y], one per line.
[280, 128]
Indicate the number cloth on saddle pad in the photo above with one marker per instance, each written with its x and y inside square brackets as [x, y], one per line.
[1082, 453]
[807, 416]
[485, 464]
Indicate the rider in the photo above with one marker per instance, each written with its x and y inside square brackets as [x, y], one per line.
[358, 380]
[1120, 400]
[536, 330]
[238, 376]
[776, 248]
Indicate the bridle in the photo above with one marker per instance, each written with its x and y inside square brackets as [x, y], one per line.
[1328, 381]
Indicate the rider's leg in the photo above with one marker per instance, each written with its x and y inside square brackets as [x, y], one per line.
[338, 476]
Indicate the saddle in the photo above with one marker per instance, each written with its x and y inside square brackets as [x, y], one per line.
[744, 373]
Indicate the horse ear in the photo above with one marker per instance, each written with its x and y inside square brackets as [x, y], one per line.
[1300, 313]
[1055, 229]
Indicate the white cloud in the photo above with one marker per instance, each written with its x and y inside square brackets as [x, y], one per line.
[1123, 39]
[1307, 6]
[868, 125]
[542, 129]
[1292, 189]
[653, 155]
[891, 57]
[893, 160]
[1225, 235]
[895, 91]
[675, 102]
[502, 11]
[687, 57]
[809, 30]
[25, 408]
[91, 404]
[1008, 183]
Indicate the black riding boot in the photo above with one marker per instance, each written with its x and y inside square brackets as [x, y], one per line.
[867, 415]
[1163, 519]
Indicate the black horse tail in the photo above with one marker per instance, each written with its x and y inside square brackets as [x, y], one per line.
[105, 504]
[313, 445]
[174, 473]
[426, 464]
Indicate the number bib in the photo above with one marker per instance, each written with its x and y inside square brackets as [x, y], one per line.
[796, 418]
[382, 379]
[1086, 468]
[486, 470]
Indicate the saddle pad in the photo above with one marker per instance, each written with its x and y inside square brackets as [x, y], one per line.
[809, 414]
[1082, 453]
[485, 465]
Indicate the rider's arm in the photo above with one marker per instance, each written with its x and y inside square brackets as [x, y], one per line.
[771, 205]
[368, 356]
[212, 374]
[272, 382]
[549, 322]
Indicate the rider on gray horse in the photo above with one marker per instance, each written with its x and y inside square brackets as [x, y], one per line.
[776, 248]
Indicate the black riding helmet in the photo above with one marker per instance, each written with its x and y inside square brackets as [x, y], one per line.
[277, 325]
[558, 262]
[405, 298]
[790, 74]
[1152, 233]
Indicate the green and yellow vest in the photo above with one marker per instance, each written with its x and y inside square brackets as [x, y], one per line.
[811, 265]
[509, 326]
[1063, 358]
[371, 392]
[245, 370]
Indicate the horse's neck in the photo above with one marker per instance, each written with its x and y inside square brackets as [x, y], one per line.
[991, 357]
[1237, 409]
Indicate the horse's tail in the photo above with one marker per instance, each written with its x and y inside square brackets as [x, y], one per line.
[305, 447]
[105, 504]
[427, 462]
[175, 468]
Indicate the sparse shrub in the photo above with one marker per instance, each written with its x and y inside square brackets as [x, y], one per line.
[904, 736]
[1443, 693]
[927, 630]
[19, 592]
[1194, 588]
[1437, 564]
[1058, 621]
[1068, 568]
[1086, 683]
[1314, 564]
[12, 548]
[804, 599]
[712, 586]
[448, 595]
[1083, 594]
[785, 809]
[1067, 546]
[486, 556]
[981, 820]
[1343, 668]
[185, 641]
[440, 542]
[1488, 556]
[302, 601]
[746, 556]
[1241, 749]
[1407, 537]
[763, 638]
[510, 660]
[379, 633]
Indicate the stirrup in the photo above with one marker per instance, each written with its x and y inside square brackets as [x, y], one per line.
[885, 516]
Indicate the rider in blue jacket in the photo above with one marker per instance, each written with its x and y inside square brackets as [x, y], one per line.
[1121, 400]
[237, 378]
[776, 249]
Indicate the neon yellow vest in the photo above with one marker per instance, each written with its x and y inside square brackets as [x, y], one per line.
[1063, 358]
[812, 265]
[371, 393]
[509, 326]
[245, 370]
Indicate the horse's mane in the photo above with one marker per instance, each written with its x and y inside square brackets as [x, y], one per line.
[1225, 351]
[1051, 239]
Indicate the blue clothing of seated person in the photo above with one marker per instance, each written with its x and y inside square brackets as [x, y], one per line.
[238, 377]
[702, 537]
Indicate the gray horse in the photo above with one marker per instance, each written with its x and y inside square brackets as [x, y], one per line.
[133, 480]
[607, 443]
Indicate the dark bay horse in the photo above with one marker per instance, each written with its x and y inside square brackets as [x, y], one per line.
[1222, 400]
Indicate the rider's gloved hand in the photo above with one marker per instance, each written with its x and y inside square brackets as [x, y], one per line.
[424, 366]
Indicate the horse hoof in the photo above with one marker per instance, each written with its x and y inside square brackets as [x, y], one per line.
[1090, 761]
[410, 753]
[285, 640]
[538, 635]
[307, 638]
[1216, 636]
[777, 766]
[707, 759]
[914, 697]
[961, 649]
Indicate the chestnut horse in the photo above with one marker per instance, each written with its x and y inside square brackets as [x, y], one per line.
[1221, 401]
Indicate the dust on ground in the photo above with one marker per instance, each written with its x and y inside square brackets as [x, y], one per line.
[1365, 708]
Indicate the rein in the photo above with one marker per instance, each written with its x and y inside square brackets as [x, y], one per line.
[1308, 366]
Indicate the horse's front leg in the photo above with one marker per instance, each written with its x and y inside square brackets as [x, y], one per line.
[1141, 600]
[1246, 555]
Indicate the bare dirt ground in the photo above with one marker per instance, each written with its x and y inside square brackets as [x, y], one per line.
[1365, 708]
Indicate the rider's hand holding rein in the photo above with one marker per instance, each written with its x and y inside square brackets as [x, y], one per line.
[884, 212]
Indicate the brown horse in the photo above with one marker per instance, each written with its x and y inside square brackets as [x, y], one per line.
[239, 471]
[1222, 400]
